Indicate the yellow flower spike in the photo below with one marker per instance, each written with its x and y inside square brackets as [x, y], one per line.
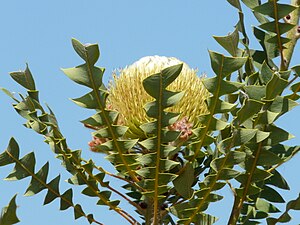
[127, 95]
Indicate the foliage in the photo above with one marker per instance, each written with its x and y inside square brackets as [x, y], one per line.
[170, 179]
[8, 214]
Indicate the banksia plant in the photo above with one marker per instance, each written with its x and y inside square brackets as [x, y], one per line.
[175, 139]
[128, 97]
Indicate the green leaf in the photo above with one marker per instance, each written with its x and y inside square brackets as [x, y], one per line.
[235, 4]
[275, 10]
[225, 87]
[183, 183]
[265, 206]
[294, 204]
[66, 199]
[230, 42]
[10, 154]
[248, 110]
[296, 69]
[54, 192]
[224, 66]
[271, 195]
[219, 105]
[268, 158]
[255, 92]
[214, 123]
[240, 137]
[154, 84]
[38, 182]
[275, 87]
[8, 215]
[282, 105]
[275, 26]
[78, 212]
[24, 168]
[277, 180]
[270, 49]
[11, 95]
[24, 78]
[266, 117]
[118, 131]
[251, 3]
[261, 135]
[278, 135]
[232, 158]
[228, 174]
[88, 52]
[257, 175]
[89, 100]
[266, 73]
[98, 120]
[82, 75]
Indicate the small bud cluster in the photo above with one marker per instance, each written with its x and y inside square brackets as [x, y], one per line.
[184, 127]
[96, 142]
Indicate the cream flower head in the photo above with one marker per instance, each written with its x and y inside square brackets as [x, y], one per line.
[128, 97]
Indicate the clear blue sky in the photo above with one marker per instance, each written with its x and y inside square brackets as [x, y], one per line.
[39, 32]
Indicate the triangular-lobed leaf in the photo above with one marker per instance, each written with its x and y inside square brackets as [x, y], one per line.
[8, 215]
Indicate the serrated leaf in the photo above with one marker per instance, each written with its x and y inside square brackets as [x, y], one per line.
[76, 179]
[183, 183]
[8, 215]
[38, 181]
[90, 218]
[265, 206]
[282, 105]
[88, 52]
[230, 42]
[257, 175]
[225, 87]
[214, 123]
[219, 105]
[270, 49]
[97, 119]
[24, 168]
[89, 100]
[248, 110]
[78, 212]
[154, 84]
[251, 3]
[294, 204]
[274, 10]
[117, 130]
[66, 199]
[275, 86]
[268, 158]
[240, 137]
[24, 78]
[54, 192]
[275, 26]
[228, 174]
[266, 73]
[235, 4]
[271, 195]
[278, 135]
[252, 190]
[224, 66]
[277, 180]
[82, 75]
[255, 92]
[8, 93]
[296, 69]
